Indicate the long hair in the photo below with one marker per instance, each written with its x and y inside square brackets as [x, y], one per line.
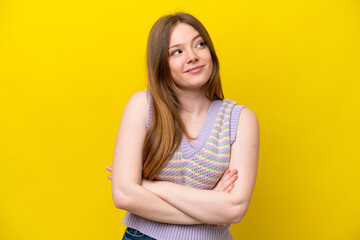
[167, 128]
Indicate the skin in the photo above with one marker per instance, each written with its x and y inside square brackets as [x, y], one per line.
[189, 58]
[169, 202]
[187, 51]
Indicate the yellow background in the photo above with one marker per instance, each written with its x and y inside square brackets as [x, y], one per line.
[67, 69]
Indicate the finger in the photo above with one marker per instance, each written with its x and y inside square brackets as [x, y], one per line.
[232, 174]
[228, 190]
[233, 178]
[226, 176]
[218, 186]
[226, 180]
[230, 181]
[234, 171]
[109, 177]
[231, 187]
[108, 168]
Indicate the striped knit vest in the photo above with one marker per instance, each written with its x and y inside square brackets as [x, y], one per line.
[198, 164]
[204, 169]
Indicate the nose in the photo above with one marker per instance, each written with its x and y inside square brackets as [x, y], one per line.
[192, 56]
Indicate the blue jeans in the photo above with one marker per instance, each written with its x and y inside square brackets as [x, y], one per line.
[132, 234]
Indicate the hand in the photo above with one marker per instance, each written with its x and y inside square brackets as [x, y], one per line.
[110, 170]
[226, 183]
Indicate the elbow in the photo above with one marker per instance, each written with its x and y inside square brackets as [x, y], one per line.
[120, 199]
[119, 203]
[238, 212]
[236, 218]
[125, 195]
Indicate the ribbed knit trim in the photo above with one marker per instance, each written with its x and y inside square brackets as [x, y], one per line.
[190, 149]
[148, 120]
[234, 120]
[175, 231]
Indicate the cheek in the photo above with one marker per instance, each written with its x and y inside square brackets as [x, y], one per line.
[175, 67]
[211, 66]
[209, 56]
[206, 55]
[209, 60]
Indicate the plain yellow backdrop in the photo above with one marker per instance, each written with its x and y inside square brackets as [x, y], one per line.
[67, 69]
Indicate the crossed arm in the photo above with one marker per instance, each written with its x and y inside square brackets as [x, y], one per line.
[173, 203]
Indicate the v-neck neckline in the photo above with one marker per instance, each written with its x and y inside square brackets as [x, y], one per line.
[189, 149]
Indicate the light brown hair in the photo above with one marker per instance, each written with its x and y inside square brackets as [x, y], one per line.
[167, 128]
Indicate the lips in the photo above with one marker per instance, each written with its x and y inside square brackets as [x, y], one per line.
[195, 69]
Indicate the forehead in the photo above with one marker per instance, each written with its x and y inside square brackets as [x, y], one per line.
[182, 33]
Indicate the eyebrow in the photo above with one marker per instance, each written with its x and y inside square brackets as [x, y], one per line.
[176, 45]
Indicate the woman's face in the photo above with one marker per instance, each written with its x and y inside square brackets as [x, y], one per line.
[189, 58]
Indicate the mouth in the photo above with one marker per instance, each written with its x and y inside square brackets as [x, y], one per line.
[195, 69]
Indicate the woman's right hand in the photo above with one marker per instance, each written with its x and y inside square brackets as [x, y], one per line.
[226, 183]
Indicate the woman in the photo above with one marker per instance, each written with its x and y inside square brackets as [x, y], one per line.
[172, 169]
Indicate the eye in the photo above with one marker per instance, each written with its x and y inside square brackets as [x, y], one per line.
[200, 44]
[176, 52]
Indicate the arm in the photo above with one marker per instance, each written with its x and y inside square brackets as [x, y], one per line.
[220, 207]
[127, 192]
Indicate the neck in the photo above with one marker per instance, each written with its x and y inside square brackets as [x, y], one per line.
[193, 103]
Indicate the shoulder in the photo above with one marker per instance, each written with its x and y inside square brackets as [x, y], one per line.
[137, 106]
[245, 149]
[248, 124]
[139, 98]
[248, 116]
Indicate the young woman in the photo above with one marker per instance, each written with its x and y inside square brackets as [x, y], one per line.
[185, 160]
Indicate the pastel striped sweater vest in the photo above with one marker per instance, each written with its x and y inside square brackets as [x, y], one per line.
[198, 164]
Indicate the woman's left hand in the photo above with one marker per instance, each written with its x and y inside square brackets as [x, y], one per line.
[110, 170]
[226, 182]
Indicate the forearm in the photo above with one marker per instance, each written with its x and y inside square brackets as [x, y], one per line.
[213, 207]
[146, 204]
